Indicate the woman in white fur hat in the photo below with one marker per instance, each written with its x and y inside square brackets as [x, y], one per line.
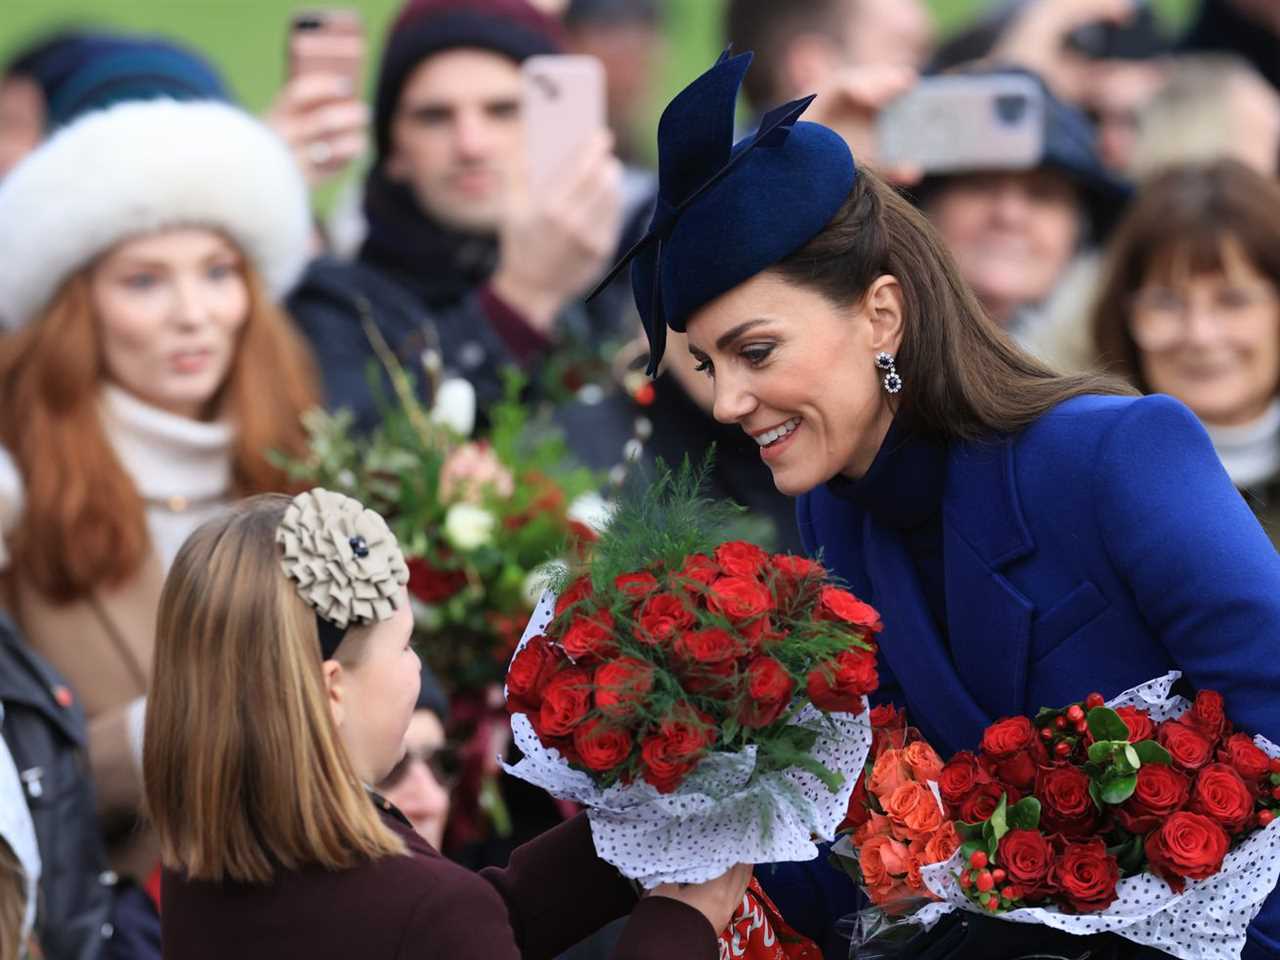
[146, 372]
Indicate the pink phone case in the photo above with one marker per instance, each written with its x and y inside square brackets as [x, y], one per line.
[563, 106]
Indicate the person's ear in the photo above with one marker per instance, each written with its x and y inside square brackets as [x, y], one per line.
[334, 684]
[884, 307]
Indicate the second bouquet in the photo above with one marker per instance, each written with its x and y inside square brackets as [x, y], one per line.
[697, 696]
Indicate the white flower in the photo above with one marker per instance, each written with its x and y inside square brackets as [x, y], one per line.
[538, 578]
[455, 406]
[467, 526]
[592, 510]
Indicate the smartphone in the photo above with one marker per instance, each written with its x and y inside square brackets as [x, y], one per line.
[953, 123]
[563, 106]
[329, 41]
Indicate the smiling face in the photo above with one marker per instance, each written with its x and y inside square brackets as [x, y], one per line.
[170, 306]
[1211, 339]
[797, 372]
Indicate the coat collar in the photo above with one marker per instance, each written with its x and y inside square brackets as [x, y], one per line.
[978, 673]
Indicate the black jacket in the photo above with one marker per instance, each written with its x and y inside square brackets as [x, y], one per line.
[44, 728]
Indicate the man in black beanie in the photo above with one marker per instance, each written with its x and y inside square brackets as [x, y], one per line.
[492, 274]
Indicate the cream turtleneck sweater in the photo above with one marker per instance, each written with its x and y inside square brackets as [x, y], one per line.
[1250, 453]
[181, 467]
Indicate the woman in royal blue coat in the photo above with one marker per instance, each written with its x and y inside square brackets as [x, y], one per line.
[1027, 538]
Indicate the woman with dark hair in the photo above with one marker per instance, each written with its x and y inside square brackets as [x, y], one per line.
[1190, 306]
[1026, 537]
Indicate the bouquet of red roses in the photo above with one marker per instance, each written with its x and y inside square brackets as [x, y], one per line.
[698, 697]
[1149, 817]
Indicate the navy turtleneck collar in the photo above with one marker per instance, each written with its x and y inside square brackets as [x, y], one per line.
[903, 488]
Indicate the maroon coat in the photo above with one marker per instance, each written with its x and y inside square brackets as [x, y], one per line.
[555, 893]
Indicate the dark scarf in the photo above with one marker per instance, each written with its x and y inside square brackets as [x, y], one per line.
[440, 265]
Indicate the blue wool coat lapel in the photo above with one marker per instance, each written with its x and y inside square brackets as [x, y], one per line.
[982, 674]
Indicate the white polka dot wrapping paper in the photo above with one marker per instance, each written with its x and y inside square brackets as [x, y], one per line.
[726, 812]
[1207, 921]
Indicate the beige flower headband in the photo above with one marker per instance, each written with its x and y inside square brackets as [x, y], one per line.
[344, 561]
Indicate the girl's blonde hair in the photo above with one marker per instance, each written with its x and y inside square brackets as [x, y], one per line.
[244, 769]
[13, 903]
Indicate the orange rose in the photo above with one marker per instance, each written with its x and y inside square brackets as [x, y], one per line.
[877, 825]
[913, 807]
[888, 774]
[914, 880]
[883, 861]
[944, 842]
[923, 760]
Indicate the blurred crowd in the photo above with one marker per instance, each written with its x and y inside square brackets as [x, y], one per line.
[170, 306]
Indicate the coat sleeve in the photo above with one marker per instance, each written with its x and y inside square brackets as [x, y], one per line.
[555, 893]
[1201, 569]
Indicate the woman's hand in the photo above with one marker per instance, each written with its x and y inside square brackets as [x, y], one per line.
[715, 899]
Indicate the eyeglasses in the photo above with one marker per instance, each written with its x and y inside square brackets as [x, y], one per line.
[442, 761]
[1160, 317]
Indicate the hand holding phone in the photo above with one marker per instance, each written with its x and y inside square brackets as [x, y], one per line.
[319, 112]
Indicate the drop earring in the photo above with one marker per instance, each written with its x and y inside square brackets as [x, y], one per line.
[892, 382]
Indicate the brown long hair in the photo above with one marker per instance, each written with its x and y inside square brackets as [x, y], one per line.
[1186, 221]
[963, 378]
[83, 522]
[244, 769]
[13, 902]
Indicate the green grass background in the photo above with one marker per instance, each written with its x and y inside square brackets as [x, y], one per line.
[246, 38]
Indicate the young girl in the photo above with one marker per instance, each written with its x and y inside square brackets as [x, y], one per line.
[284, 683]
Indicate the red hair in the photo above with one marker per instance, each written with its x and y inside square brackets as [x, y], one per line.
[83, 523]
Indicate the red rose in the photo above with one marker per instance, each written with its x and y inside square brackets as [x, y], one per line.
[708, 679]
[959, 778]
[700, 569]
[739, 598]
[1021, 769]
[1208, 716]
[590, 636]
[1222, 795]
[1008, 736]
[712, 645]
[575, 593]
[838, 685]
[1241, 752]
[621, 685]
[601, 745]
[566, 700]
[1160, 791]
[529, 670]
[662, 618]
[795, 578]
[1087, 876]
[672, 753]
[636, 585]
[859, 811]
[1027, 857]
[886, 716]
[1187, 846]
[981, 801]
[1065, 804]
[740, 559]
[431, 584]
[843, 606]
[1139, 723]
[769, 689]
[1189, 748]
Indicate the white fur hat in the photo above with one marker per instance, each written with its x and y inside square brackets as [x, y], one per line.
[142, 166]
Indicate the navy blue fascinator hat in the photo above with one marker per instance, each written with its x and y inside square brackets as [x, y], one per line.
[727, 211]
